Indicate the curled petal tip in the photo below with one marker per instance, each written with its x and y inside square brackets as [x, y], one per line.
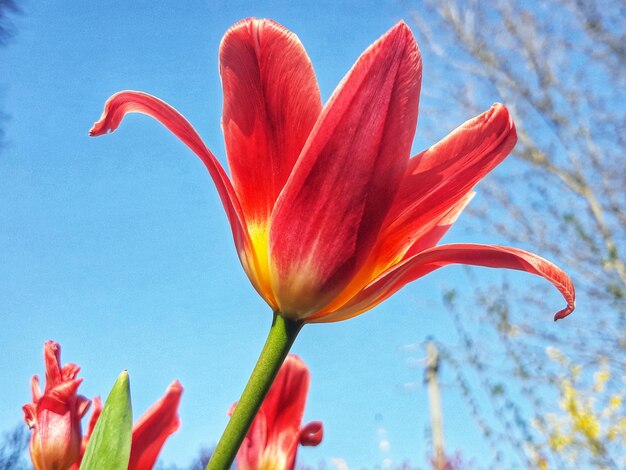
[102, 126]
[93, 132]
[427, 261]
[117, 106]
[565, 312]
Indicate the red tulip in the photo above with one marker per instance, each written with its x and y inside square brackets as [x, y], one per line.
[329, 214]
[272, 441]
[54, 416]
[149, 432]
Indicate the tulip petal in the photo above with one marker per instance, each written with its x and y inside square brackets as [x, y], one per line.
[385, 254]
[93, 419]
[250, 454]
[35, 388]
[272, 441]
[284, 404]
[446, 172]
[65, 391]
[118, 105]
[477, 255]
[152, 430]
[433, 233]
[125, 102]
[30, 414]
[69, 371]
[436, 188]
[330, 212]
[271, 102]
[52, 360]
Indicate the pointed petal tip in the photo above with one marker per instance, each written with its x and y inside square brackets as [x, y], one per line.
[502, 121]
[404, 33]
[239, 25]
[401, 26]
[502, 111]
[499, 110]
[253, 24]
[254, 21]
[84, 404]
[400, 38]
[175, 388]
[176, 384]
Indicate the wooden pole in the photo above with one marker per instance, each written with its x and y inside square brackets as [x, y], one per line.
[434, 397]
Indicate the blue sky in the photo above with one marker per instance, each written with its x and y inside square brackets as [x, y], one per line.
[118, 248]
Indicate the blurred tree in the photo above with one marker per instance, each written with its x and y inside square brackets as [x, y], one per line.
[13, 449]
[199, 462]
[7, 7]
[591, 424]
[559, 66]
[202, 459]
[7, 30]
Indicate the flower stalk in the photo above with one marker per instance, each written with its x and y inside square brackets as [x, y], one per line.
[282, 334]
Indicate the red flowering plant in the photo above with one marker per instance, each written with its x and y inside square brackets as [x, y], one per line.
[275, 434]
[329, 214]
[55, 416]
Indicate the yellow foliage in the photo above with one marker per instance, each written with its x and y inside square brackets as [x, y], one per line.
[558, 441]
[601, 378]
[542, 464]
[615, 402]
[590, 419]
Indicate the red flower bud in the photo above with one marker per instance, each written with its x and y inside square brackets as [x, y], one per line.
[54, 416]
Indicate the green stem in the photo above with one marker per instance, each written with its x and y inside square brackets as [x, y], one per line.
[281, 336]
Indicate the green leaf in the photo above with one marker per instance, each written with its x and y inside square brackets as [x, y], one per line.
[109, 445]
